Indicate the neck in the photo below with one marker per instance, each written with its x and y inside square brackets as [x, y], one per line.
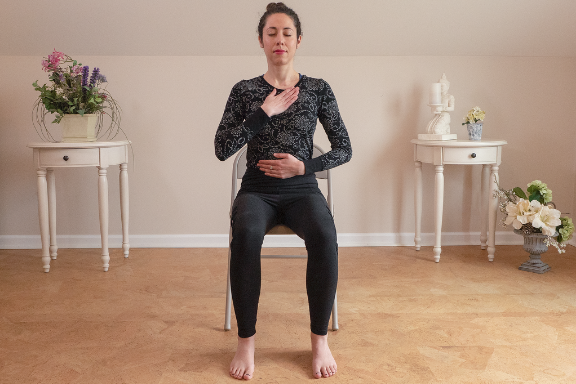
[281, 77]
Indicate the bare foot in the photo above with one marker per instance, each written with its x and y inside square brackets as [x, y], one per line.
[323, 364]
[242, 365]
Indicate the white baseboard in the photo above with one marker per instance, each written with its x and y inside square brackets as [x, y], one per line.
[221, 241]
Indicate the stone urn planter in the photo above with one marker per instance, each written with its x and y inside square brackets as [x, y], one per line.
[534, 245]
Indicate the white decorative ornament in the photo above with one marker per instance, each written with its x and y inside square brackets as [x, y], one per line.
[441, 103]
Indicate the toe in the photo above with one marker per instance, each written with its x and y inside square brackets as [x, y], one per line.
[318, 374]
[247, 376]
[324, 372]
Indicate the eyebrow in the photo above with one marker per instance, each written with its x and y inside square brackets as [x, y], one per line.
[287, 28]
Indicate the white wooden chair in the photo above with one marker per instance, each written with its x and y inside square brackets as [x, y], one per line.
[237, 173]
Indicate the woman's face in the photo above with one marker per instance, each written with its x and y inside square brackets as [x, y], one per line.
[279, 39]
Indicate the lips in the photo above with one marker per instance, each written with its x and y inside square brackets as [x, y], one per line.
[279, 51]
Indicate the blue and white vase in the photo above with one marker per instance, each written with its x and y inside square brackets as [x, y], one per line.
[474, 130]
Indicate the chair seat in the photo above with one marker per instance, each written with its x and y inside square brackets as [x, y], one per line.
[280, 229]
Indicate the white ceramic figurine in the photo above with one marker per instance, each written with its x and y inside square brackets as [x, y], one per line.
[440, 124]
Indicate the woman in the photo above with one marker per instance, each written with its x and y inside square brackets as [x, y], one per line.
[276, 114]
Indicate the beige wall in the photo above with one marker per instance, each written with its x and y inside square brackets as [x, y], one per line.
[172, 106]
[171, 66]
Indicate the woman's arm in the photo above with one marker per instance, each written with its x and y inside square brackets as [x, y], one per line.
[329, 116]
[235, 130]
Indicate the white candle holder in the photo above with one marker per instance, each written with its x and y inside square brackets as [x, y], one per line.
[439, 127]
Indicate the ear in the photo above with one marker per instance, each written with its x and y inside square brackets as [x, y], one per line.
[299, 41]
[260, 41]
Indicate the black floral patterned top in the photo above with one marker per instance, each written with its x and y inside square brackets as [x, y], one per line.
[289, 132]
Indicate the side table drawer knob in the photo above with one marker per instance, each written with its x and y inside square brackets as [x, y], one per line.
[473, 156]
[66, 157]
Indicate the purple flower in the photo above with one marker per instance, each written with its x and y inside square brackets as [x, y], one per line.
[102, 79]
[85, 73]
[95, 76]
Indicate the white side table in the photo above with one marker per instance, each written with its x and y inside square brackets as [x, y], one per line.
[485, 152]
[48, 156]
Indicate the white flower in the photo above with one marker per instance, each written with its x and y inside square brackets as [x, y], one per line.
[519, 214]
[547, 219]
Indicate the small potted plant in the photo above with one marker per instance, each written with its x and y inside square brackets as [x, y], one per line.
[77, 98]
[534, 216]
[473, 120]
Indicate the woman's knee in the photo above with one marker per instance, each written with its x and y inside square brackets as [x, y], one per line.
[251, 234]
[321, 236]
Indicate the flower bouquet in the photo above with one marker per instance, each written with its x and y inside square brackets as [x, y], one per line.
[73, 91]
[474, 120]
[534, 212]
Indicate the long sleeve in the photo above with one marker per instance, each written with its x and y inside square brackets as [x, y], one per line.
[329, 117]
[238, 125]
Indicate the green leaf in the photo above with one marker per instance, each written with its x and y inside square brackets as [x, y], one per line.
[81, 112]
[537, 196]
[520, 193]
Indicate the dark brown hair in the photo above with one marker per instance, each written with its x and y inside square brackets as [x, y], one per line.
[273, 8]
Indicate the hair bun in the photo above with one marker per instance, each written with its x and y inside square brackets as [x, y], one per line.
[271, 7]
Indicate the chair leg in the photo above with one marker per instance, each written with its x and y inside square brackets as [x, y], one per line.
[228, 312]
[335, 314]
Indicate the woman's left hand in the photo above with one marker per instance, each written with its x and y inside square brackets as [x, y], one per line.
[284, 168]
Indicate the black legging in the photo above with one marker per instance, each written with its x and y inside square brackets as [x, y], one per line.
[308, 215]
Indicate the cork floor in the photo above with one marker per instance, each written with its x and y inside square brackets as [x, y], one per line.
[158, 316]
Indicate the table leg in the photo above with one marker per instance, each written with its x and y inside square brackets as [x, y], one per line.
[52, 212]
[43, 218]
[493, 211]
[438, 207]
[103, 210]
[484, 196]
[418, 204]
[124, 207]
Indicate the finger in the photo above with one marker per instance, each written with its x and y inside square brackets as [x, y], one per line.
[276, 175]
[275, 168]
[268, 162]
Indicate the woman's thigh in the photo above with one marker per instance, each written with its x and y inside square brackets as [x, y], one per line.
[309, 217]
[253, 213]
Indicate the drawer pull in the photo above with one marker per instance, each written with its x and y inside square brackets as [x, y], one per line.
[473, 155]
[66, 158]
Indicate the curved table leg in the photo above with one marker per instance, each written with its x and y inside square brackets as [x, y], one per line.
[418, 204]
[492, 213]
[52, 212]
[438, 207]
[103, 211]
[124, 208]
[43, 218]
[484, 197]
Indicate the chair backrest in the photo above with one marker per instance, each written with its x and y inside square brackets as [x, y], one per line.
[239, 169]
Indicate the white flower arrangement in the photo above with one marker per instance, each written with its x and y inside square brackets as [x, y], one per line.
[474, 115]
[535, 213]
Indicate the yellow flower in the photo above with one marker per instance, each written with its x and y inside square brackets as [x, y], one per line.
[474, 115]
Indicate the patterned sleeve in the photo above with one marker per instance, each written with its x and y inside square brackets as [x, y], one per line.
[236, 129]
[329, 117]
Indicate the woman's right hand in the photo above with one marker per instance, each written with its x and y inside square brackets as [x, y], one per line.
[276, 104]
